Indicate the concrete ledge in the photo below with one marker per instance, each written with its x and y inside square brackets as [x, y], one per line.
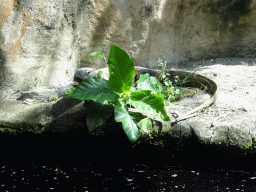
[237, 128]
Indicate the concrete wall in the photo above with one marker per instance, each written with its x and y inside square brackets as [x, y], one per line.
[43, 42]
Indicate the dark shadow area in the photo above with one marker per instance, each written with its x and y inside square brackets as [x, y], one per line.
[64, 104]
[230, 10]
[73, 146]
[228, 15]
[85, 158]
[76, 146]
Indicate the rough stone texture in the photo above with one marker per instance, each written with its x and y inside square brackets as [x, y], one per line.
[84, 73]
[44, 42]
[43, 94]
[231, 119]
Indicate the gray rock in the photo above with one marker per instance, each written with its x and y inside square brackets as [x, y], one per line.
[41, 94]
[63, 89]
[66, 114]
[55, 43]
[84, 73]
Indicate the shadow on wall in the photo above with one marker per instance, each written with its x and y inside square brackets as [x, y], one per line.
[3, 63]
[224, 16]
[99, 33]
[105, 29]
[228, 13]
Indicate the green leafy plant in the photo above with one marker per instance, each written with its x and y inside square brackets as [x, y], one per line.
[97, 54]
[50, 97]
[54, 97]
[174, 91]
[31, 87]
[253, 64]
[117, 93]
[243, 63]
[100, 74]
[171, 91]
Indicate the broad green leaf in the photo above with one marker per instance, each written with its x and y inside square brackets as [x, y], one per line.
[136, 116]
[121, 115]
[145, 124]
[147, 101]
[69, 92]
[133, 89]
[97, 113]
[93, 88]
[147, 82]
[121, 70]
[142, 121]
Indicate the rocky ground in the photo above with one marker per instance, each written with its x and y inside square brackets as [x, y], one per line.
[235, 77]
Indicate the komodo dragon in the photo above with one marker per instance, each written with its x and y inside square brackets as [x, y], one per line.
[210, 85]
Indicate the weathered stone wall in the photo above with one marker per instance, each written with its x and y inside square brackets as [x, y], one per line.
[43, 42]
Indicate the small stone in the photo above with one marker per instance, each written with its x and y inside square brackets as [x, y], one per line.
[28, 101]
